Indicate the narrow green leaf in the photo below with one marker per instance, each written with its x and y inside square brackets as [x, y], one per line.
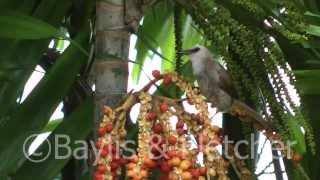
[297, 136]
[17, 26]
[313, 30]
[149, 34]
[167, 45]
[81, 118]
[23, 55]
[34, 113]
[308, 13]
[52, 125]
[191, 36]
[308, 81]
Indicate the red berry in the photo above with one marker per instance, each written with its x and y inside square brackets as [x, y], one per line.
[172, 140]
[98, 176]
[99, 144]
[114, 165]
[155, 140]
[165, 167]
[167, 80]
[109, 128]
[164, 107]
[156, 151]
[110, 148]
[104, 153]
[102, 131]
[151, 116]
[180, 124]
[195, 173]
[164, 177]
[156, 74]
[202, 171]
[122, 162]
[157, 128]
[101, 169]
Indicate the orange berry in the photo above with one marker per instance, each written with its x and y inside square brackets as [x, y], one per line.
[175, 161]
[172, 140]
[186, 175]
[185, 164]
[143, 173]
[173, 176]
[171, 154]
[137, 177]
[131, 173]
[133, 158]
[149, 163]
[296, 157]
[130, 166]
[203, 139]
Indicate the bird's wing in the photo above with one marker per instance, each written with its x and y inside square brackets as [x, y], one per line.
[204, 84]
[221, 76]
[247, 114]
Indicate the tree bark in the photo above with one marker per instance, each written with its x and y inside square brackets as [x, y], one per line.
[116, 19]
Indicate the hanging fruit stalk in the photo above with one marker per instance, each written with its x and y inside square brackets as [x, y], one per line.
[164, 145]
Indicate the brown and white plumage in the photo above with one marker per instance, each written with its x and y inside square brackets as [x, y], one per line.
[216, 84]
[214, 81]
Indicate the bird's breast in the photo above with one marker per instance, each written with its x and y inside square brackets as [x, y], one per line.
[197, 67]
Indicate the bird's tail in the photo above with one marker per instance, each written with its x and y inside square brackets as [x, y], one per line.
[247, 114]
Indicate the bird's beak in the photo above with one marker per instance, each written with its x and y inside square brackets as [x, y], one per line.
[188, 51]
[185, 52]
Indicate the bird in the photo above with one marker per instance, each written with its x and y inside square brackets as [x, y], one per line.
[215, 83]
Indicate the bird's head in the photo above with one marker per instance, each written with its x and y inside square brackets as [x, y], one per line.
[197, 53]
[198, 56]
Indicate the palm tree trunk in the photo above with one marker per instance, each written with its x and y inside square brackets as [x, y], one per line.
[110, 69]
[115, 21]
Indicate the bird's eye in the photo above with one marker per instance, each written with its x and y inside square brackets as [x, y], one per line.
[194, 50]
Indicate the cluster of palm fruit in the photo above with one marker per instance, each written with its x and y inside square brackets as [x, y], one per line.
[162, 144]
[166, 131]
